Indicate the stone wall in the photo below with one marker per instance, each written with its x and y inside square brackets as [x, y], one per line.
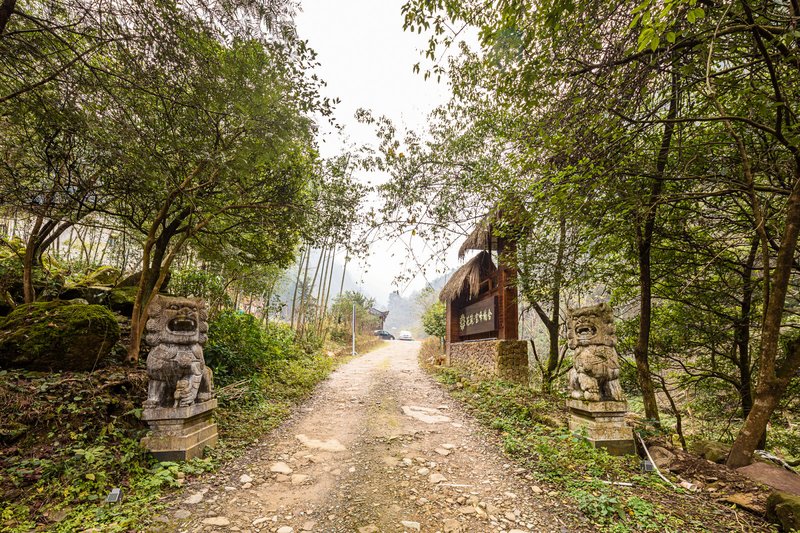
[505, 359]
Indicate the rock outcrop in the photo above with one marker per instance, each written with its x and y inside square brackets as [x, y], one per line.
[57, 335]
[784, 509]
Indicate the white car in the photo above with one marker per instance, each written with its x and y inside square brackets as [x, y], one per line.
[405, 336]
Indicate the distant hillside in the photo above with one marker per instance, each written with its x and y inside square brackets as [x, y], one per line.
[405, 312]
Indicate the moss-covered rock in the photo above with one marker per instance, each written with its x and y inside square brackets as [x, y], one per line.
[784, 509]
[121, 300]
[103, 276]
[7, 303]
[93, 295]
[716, 452]
[57, 335]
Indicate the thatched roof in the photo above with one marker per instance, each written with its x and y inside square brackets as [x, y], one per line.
[480, 237]
[468, 277]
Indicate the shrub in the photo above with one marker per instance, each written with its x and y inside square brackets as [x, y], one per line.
[431, 353]
[240, 347]
[434, 320]
[196, 283]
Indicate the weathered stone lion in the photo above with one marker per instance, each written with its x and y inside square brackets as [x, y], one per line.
[595, 372]
[178, 374]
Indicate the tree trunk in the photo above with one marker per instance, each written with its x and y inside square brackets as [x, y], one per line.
[772, 380]
[303, 290]
[319, 314]
[344, 271]
[6, 10]
[296, 285]
[742, 332]
[153, 253]
[640, 351]
[304, 307]
[326, 290]
[554, 327]
[31, 247]
[644, 242]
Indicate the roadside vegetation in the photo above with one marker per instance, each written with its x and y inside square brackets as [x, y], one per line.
[531, 428]
[68, 438]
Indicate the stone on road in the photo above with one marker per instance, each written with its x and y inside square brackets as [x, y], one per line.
[372, 451]
[331, 445]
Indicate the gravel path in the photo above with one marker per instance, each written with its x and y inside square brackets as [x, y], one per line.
[379, 447]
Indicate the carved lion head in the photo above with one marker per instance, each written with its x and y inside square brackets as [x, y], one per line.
[177, 321]
[592, 325]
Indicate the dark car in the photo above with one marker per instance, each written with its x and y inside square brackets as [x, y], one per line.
[383, 334]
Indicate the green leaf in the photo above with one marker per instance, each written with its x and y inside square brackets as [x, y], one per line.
[671, 36]
[644, 38]
[654, 43]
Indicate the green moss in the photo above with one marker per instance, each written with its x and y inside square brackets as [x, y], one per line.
[103, 276]
[784, 508]
[57, 335]
[121, 300]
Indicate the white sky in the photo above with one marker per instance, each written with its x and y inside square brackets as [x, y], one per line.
[367, 59]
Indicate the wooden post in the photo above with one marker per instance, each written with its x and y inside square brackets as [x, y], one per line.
[507, 292]
[451, 328]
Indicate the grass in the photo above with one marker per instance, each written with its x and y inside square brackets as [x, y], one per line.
[533, 432]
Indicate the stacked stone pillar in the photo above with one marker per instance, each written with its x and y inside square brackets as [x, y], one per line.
[505, 359]
[180, 433]
[603, 424]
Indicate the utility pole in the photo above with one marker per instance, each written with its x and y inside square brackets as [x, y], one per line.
[354, 330]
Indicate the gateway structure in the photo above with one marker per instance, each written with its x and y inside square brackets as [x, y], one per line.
[482, 311]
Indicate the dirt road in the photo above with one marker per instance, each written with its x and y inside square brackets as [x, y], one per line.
[379, 447]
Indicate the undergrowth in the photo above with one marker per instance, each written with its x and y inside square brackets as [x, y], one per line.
[67, 439]
[534, 433]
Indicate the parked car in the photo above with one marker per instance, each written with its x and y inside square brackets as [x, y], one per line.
[405, 336]
[383, 334]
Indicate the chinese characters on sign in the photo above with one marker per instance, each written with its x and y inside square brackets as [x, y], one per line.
[479, 317]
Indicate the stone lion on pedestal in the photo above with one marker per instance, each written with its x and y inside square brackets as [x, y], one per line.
[595, 373]
[176, 330]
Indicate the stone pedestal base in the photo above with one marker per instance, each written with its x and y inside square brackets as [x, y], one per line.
[506, 359]
[181, 433]
[604, 425]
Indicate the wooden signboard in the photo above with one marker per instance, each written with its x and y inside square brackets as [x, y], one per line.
[480, 317]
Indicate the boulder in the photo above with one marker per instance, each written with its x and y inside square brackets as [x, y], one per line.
[103, 276]
[97, 295]
[57, 335]
[772, 476]
[662, 457]
[716, 452]
[784, 509]
[121, 300]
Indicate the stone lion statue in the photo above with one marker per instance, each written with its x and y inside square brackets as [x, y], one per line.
[595, 372]
[176, 330]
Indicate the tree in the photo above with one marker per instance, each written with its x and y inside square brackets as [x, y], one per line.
[652, 98]
[196, 116]
[434, 320]
[242, 173]
[342, 310]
